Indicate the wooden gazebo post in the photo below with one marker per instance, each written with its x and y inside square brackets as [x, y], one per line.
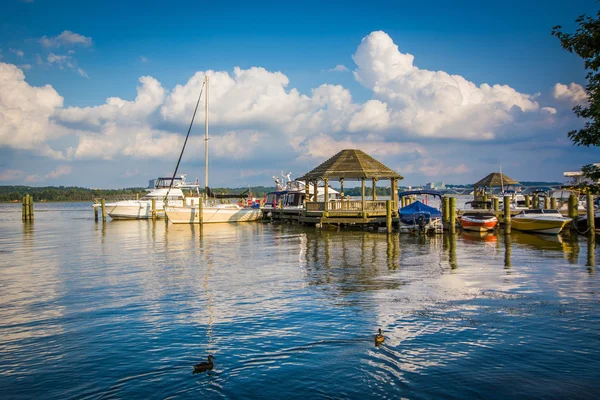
[326, 197]
[362, 193]
[374, 189]
[316, 191]
[306, 192]
[342, 189]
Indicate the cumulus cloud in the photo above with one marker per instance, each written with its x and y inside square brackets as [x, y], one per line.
[339, 68]
[11, 174]
[66, 38]
[573, 93]
[18, 52]
[25, 110]
[63, 62]
[433, 103]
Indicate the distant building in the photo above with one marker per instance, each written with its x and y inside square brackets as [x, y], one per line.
[435, 185]
[576, 178]
[151, 183]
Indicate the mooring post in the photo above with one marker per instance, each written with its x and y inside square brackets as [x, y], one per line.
[573, 203]
[485, 200]
[452, 214]
[553, 203]
[507, 214]
[27, 209]
[536, 201]
[103, 205]
[31, 208]
[201, 206]
[496, 202]
[527, 201]
[590, 214]
[446, 211]
[96, 210]
[388, 215]
[137, 196]
[153, 211]
[24, 209]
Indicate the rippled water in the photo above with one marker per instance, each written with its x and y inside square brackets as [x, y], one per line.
[125, 309]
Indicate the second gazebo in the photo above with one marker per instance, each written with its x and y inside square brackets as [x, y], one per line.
[352, 165]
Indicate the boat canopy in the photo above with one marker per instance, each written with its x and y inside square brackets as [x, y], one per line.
[419, 208]
[421, 192]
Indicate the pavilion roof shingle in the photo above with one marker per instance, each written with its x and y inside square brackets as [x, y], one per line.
[495, 179]
[350, 164]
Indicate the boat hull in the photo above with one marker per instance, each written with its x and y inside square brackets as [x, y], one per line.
[478, 225]
[550, 227]
[211, 215]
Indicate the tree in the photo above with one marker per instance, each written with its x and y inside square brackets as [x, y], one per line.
[585, 42]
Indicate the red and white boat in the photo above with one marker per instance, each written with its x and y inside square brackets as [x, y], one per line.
[480, 222]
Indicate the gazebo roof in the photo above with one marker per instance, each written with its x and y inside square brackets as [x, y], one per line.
[495, 179]
[350, 164]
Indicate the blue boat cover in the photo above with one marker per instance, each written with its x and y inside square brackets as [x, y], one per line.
[418, 208]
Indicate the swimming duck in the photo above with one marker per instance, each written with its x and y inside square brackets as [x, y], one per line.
[379, 338]
[204, 366]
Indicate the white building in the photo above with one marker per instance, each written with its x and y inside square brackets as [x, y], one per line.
[576, 178]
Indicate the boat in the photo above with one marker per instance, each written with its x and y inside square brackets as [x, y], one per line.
[210, 209]
[418, 217]
[478, 221]
[291, 194]
[540, 221]
[142, 208]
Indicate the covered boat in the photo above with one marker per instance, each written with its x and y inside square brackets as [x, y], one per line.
[540, 221]
[419, 217]
[480, 222]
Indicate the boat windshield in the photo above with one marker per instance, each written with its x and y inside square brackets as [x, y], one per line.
[540, 211]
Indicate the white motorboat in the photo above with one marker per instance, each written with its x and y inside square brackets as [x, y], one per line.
[209, 211]
[291, 194]
[142, 208]
[540, 221]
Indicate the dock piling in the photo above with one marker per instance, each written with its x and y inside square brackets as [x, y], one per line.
[553, 203]
[507, 214]
[31, 208]
[536, 201]
[445, 211]
[547, 204]
[496, 203]
[24, 209]
[103, 206]
[573, 203]
[527, 201]
[388, 216]
[153, 209]
[96, 210]
[452, 214]
[590, 214]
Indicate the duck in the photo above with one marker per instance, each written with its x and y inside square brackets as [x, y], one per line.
[379, 338]
[204, 366]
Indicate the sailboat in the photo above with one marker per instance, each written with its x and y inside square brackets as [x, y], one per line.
[208, 211]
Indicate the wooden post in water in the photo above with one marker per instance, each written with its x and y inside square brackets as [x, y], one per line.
[536, 201]
[553, 203]
[485, 200]
[24, 209]
[496, 203]
[153, 211]
[137, 196]
[573, 203]
[103, 205]
[527, 201]
[362, 193]
[446, 212]
[31, 208]
[96, 210]
[388, 216]
[546, 203]
[452, 214]
[507, 214]
[589, 205]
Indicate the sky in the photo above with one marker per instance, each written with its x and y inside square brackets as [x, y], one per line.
[100, 94]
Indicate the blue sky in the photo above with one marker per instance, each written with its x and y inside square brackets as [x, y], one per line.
[288, 107]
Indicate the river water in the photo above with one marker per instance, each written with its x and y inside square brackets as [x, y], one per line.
[125, 309]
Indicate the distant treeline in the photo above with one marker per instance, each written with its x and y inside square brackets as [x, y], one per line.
[73, 193]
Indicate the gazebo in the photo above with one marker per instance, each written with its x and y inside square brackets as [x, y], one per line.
[353, 165]
[495, 179]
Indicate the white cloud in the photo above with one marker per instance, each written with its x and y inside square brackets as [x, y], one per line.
[65, 62]
[25, 110]
[25, 67]
[61, 170]
[339, 68]
[143, 59]
[434, 103]
[18, 52]
[11, 175]
[573, 93]
[66, 38]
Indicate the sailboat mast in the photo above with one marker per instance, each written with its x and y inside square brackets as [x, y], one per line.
[206, 134]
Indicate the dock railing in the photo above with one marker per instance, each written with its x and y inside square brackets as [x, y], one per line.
[351, 206]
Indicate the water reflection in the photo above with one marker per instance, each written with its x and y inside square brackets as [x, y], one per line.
[591, 249]
[507, 250]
